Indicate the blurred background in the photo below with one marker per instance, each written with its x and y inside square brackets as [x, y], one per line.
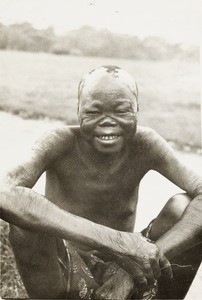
[46, 46]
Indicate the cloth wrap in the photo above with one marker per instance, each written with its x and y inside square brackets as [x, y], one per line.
[86, 271]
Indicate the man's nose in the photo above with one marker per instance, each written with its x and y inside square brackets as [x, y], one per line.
[107, 121]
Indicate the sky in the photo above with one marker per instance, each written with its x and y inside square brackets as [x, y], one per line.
[174, 20]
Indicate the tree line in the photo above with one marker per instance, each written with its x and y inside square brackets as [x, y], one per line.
[88, 41]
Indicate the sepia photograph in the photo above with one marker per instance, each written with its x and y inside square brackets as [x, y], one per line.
[100, 156]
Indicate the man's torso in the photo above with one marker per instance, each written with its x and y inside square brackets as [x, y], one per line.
[104, 193]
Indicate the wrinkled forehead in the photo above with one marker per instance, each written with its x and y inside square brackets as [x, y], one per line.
[109, 79]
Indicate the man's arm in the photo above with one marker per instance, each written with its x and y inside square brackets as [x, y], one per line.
[27, 209]
[188, 231]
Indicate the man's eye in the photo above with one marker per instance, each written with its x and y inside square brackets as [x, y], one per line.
[121, 111]
[93, 112]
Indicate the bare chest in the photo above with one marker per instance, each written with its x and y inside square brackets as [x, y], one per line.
[106, 194]
[76, 174]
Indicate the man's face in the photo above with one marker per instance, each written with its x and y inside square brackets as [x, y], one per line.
[107, 114]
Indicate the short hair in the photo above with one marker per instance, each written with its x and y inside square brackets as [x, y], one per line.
[115, 71]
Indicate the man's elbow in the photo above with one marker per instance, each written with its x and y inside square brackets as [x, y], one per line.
[198, 188]
[8, 197]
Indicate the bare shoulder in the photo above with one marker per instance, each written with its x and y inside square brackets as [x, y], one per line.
[48, 148]
[151, 143]
[56, 142]
[146, 135]
[163, 159]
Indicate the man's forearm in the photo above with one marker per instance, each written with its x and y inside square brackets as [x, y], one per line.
[29, 210]
[184, 234]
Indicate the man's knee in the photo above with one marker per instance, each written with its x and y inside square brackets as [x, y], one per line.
[23, 243]
[18, 237]
[169, 215]
[22, 238]
[28, 246]
[175, 207]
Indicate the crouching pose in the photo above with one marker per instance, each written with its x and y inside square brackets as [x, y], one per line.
[77, 242]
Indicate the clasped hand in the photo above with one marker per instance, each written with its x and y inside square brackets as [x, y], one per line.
[142, 259]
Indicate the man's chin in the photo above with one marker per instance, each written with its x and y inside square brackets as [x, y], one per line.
[107, 148]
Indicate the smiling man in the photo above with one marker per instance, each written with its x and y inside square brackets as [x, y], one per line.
[115, 95]
[84, 246]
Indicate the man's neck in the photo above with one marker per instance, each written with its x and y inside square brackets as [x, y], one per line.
[101, 160]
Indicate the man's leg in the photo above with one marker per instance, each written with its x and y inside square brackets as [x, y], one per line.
[36, 256]
[184, 265]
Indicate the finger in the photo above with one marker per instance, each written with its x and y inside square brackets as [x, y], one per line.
[141, 283]
[136, 272]
[102, 293]
[148, 271]
[156, 268]
[166, 269]
[118, 286]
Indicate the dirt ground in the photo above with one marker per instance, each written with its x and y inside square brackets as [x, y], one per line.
[17, 135]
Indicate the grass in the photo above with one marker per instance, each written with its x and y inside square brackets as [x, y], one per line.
[11, 284]
[38, 85]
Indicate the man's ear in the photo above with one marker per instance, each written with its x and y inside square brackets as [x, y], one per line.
[78, 113]
[137, 115]
[137, 112]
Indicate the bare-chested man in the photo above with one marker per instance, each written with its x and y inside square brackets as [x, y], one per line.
[84, 246]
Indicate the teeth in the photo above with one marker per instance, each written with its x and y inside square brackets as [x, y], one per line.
[108, 137]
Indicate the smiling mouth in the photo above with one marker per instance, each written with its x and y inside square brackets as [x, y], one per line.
[108, 137]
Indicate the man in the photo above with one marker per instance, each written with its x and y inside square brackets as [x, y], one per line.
[93, 172]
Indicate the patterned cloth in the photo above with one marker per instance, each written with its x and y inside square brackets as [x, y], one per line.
[85, 272]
